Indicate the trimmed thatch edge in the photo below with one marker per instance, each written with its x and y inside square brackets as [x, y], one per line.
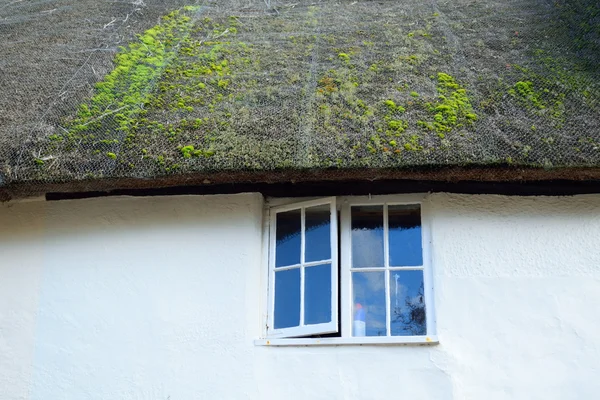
[502, 174]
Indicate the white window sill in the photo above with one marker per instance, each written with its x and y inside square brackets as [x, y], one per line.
[353, 341]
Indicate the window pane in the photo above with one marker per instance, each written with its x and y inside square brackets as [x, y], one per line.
[287, 250]
[368, 298]
[407, 303]
[405, 235]
[318, 233]
[317, 296]
[367, 236]
[287, 298]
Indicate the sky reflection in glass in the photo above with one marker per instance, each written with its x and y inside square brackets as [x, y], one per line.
[405, 235]
[407, 303]
[368, 289]
[318, 233]
[287, 298]
[367, 236]
[288, 237]
[317, 296]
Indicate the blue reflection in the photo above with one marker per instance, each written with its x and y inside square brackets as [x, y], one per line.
[407, 303]
[287, 298]
[317, 295]
[368, 290]
[367, 236]
[288, 230]
[405, 236]
[318, 233]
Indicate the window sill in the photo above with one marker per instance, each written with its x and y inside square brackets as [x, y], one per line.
[353, 341]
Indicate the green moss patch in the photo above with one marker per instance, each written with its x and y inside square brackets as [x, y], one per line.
[452, 109]
[120, 96]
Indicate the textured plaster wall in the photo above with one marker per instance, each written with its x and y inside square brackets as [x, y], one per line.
[157, 298]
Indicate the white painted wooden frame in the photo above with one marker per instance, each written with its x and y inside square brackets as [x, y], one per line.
[346, 260]
[345, 282]
[303, 329]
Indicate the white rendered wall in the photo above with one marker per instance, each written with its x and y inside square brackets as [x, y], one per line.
[159, 298]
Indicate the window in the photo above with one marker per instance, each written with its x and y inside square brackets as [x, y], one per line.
[377, 291]
[303, 269]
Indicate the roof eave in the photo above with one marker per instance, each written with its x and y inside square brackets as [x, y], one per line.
[218, 181]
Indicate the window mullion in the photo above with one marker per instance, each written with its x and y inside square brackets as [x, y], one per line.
[335, 279]
[302, 260]
[386, 261]
[427, 272]
[346, 278]
[271, 277]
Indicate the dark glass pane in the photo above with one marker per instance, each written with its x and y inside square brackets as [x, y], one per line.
[407, 303]
[318, 233]
[405, 235]
[367, 236]
[287, 298]
[368, 299]
[287, 249]
[317, 295]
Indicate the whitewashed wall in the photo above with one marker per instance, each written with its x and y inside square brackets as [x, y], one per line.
[159, 298]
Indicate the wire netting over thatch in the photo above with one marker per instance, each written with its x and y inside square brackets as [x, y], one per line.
[123, 89]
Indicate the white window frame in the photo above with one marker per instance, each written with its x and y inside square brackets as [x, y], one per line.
[344, 204]
[302, 329]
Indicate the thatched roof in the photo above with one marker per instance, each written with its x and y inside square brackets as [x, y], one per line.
[99, 94]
